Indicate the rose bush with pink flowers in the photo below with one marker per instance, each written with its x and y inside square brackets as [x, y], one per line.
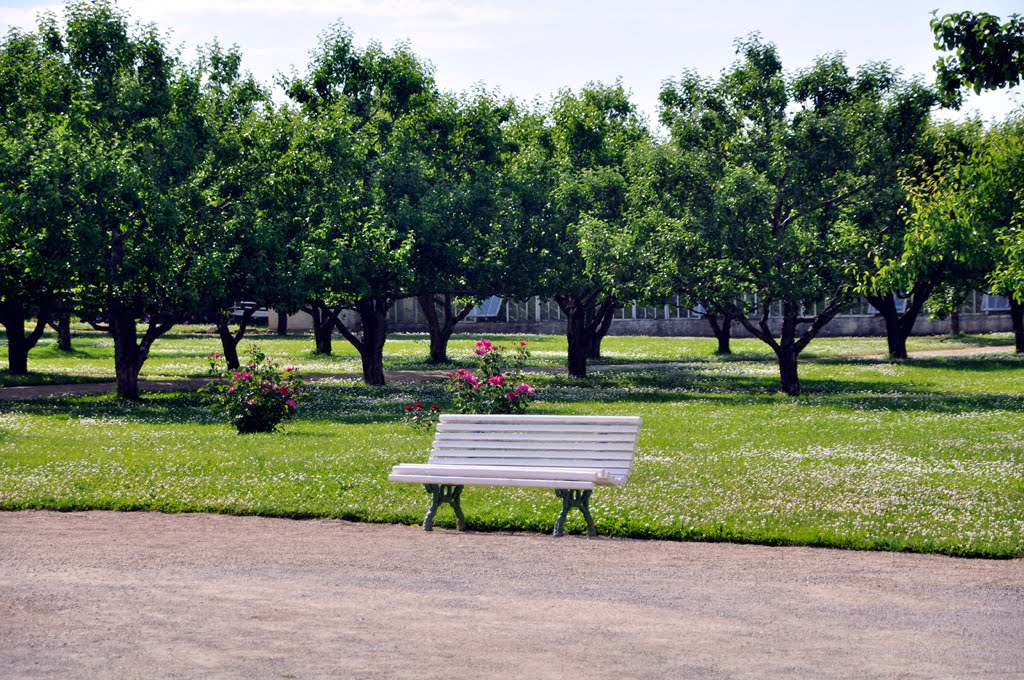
[497, 386]
[258, 396]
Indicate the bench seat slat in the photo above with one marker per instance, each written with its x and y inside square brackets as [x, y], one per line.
[503, 471]
[544, 420]
[516, 452]
[504, 427]
[611, 467]
[518, 445]
[536, 437]
[491, 481]
[570, 463]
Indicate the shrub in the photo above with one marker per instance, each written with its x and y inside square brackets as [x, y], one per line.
[419, 415]
[257, 397]
[497, 386]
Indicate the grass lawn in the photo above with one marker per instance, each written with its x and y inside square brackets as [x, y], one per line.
[923, 455]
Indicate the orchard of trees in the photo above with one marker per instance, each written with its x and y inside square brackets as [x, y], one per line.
[138, 190]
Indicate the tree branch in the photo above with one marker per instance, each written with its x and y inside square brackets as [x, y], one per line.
[153, 331]
[345, 332]
[835, 200]
[840, 301]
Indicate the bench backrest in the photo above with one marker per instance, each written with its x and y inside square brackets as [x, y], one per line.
[577, 442]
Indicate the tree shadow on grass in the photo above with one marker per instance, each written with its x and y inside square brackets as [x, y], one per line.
[980, 364]
[359, 404]
[34, 378]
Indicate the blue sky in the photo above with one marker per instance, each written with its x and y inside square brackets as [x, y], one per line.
[530, 49]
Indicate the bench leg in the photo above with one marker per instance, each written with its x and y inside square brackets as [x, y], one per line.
[574, 498]
[444, 493]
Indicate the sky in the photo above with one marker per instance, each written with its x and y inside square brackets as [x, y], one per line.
[530, 49]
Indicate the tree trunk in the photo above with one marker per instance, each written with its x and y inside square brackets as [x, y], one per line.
[373, 333]
[324, 321]
[788, 371]
[441, 320]
[954, 323]
[586, 324]
[130, 352]
[895, 336]
[579, 342]
[127, 360]
[722, 331]
[1017, 318]
[17, 348]
[899, 327]
[282, 323]
[12, 317]
[787, 351]
[61, 323]
[228, 340]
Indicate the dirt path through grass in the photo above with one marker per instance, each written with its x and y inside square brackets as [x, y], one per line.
[148, 595]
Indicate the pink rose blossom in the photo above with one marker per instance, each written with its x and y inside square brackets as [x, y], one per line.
[251, 402]
[498, 380]
[231, 390]
[237, 376]
[466, 376]
[525, 389]
[483, 346]
[291, 404]
[513, 395]
[216, 355]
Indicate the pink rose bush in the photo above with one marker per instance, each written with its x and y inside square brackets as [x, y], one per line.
[258, 398]
[488, 390]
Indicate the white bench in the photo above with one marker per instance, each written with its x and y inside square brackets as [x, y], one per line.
[570, 454]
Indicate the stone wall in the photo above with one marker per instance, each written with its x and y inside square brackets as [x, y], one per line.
[840, 326]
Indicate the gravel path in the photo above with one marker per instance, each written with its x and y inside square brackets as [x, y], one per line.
[147, 595]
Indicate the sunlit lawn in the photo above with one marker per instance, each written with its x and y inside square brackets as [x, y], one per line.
[924, 455]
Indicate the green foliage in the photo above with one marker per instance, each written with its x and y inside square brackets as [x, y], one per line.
[1002, 190]
[258, 396]
[498, 385]
[364, 206]
[465, 235]
[987, 54]
[592, 135]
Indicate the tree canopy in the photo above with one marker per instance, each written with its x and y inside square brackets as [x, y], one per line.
[987, 54]
[795, 170]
